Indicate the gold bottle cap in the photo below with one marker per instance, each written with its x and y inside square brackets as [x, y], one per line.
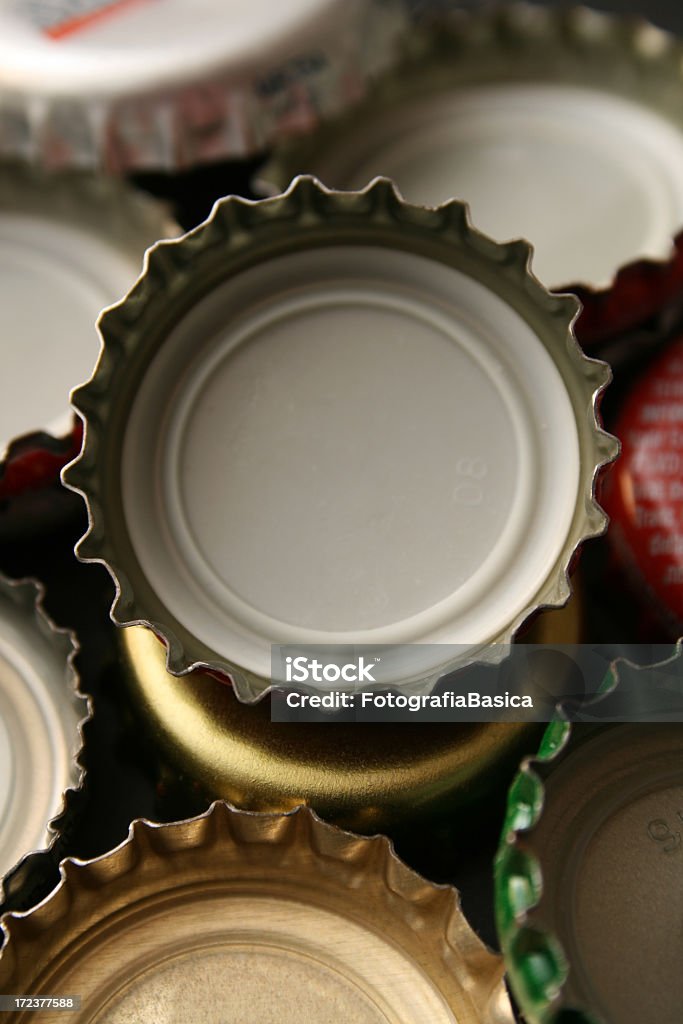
[367, 777]
[42, 717]
[334, 418]
[233, 917]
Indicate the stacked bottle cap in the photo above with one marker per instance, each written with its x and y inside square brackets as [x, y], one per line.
[563, 127]
[644, 497]
[588, 879]
[336, 418]
[69, 245]
[232, 916]
[370, 778]
[42, 716]
[126, 85]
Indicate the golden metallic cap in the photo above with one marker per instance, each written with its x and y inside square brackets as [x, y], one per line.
[335, 418]
[233, 917]
[367, 777]
[42, 718]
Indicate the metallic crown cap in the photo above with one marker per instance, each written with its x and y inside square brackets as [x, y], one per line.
[70, 244]
[120, 85]
[575, 56]
[417, 258]
[42, 717]
[589, 856]
[367, 779]
[233, 916]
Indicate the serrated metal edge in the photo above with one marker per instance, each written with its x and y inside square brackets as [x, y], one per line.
[167, 127]
[515, 919]
[579, 30]
[124, 217]
[433, 909]
[29, 594]
[308, 205]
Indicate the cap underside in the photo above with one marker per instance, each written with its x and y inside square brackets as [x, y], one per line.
[590, 178]
[54, 280]
[353, 445]
[39, 737]
[609, 845]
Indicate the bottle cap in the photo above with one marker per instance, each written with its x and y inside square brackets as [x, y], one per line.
[563, 127]
[42, 716]
[366, 777]
[232, 916]
[69, 245]
[120, 84]
[334, 418]
[588, 874]
[644, 497]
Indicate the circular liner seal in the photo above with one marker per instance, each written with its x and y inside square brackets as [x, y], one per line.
[232, 916]
[588, 874]
[560, 126]
[69, 245]
[134, 84]
[644, 497]
[42, 717]
[368, 778]
[302, 410]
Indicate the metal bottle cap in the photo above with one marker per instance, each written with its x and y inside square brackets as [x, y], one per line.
[231, 917]
[645, 497]
[115, 84]
[69, 245]
[563, 127]
[42, 715]
[368, 778]
[588, 875]
[335, 418]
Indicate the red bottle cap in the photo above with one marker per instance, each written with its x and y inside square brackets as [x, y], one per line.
[644, 493]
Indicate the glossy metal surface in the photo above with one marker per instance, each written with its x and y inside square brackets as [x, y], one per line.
[367, 777]
[231, 917]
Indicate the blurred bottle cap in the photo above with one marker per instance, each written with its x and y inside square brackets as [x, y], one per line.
[122, 84]
[42, 715]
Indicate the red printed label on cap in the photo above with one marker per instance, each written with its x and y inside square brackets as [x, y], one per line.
[60, 18]
[645, 494]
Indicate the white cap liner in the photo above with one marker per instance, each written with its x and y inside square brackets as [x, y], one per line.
[349, 445]
[41, 717]
[592, 179]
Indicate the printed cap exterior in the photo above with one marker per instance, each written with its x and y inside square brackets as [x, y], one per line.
[123, 84]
